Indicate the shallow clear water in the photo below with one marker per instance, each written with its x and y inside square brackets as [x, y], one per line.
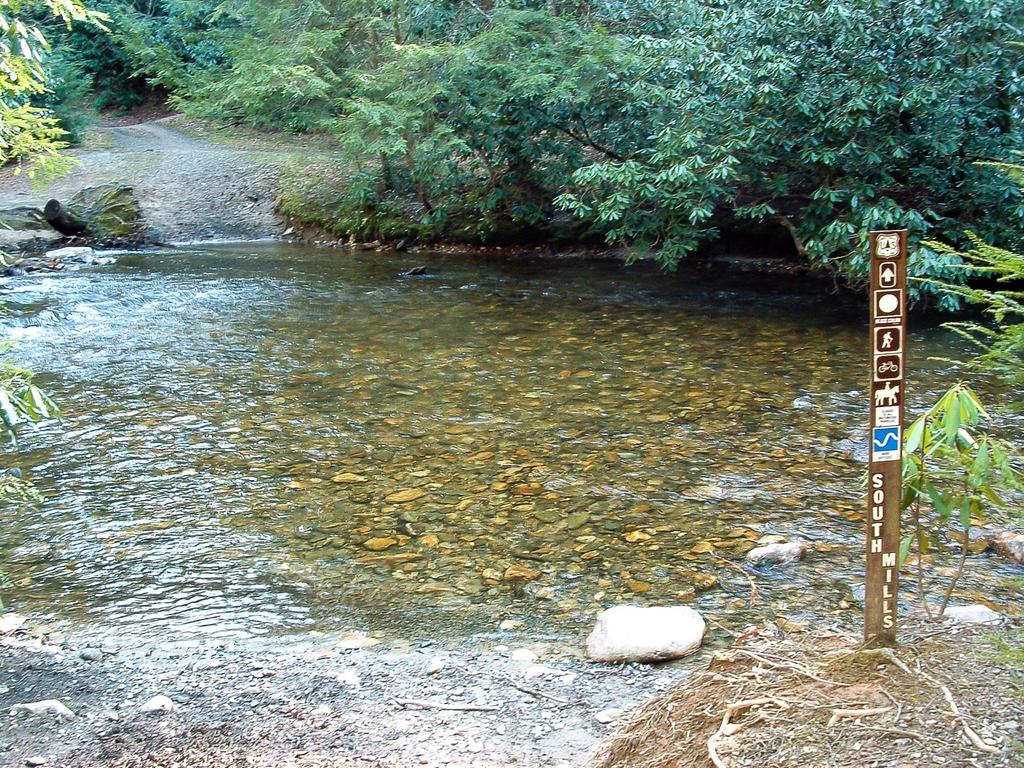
[574, 435]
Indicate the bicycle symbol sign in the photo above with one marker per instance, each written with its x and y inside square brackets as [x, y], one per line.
[888, 367]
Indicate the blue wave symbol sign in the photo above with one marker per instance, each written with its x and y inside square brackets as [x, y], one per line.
[886, 439]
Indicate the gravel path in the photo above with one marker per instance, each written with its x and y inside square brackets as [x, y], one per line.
[190, 189]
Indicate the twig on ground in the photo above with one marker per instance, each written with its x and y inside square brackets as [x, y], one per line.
[728, 729]
[896, 703]
[792, 667]
[972, 736]
[840, 714]
[749, 578]
[538, 694]
[425, 704]
[889, 656]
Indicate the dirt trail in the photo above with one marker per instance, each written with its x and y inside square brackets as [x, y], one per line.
[190, 188]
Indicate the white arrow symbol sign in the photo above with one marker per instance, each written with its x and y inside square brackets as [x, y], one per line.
[887, 276]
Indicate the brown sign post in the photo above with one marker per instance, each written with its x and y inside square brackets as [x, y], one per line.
[885, 462]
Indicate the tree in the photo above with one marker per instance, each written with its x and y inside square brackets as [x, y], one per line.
[998, 274]
[29, 134]
[829, 118]
[954, 474]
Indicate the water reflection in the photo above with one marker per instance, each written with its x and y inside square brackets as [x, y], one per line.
[265, 440]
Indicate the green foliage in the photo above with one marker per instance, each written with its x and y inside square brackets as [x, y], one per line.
[20, 399]
[69, 96]
[953, 475]
[998, 276]
[830, 118]
[657, 124]
[29, 134]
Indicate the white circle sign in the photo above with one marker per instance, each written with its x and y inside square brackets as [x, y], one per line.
[888, 303]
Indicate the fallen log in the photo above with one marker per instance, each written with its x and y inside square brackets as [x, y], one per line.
[61, 218]
[108, 214]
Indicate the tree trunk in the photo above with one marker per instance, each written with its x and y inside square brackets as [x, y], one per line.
[63, 220]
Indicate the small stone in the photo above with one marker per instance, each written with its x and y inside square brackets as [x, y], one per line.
[511, 625]
[402, 497]
[158, 705]
[435, 666]
[704, 580]
[524, 655]
[780, 554]
[91, 654]
[577, 520]
[645, 634]
[634, 537]
[973, 614]
[981, 540]
[45, 707]
[348, 677]
[355, 641]
[521, 573]
[324, 710]
[379, 543]
[1011, 546]
[609, 715]
[35, 761]
[348, 477]
[11, 622]
[82, 255]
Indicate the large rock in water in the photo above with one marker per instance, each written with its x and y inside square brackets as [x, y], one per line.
[108, 214]
[25, 229]
[634, 633]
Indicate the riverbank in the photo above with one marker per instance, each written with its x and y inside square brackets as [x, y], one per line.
[198, 182]
[351, 700]
[189, 189]
[354, 703]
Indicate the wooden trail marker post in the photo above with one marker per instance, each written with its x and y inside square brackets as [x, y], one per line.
[885, 460]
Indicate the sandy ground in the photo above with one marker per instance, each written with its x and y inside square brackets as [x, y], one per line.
[190, 188]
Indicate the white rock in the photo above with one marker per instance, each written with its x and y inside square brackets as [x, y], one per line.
[35, 761]
[511, 625]
[82, 254]
[324, 710]
[348, 677]
[524, 655]
[46, 707]
[10, 622]
[539, 670]
[633, 633]
[1011, 546]
[435, 666]
[973, 614]
[781, 554]
[609, 715]
[158, 705]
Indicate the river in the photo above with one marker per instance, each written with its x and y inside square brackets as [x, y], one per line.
[263, 442]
